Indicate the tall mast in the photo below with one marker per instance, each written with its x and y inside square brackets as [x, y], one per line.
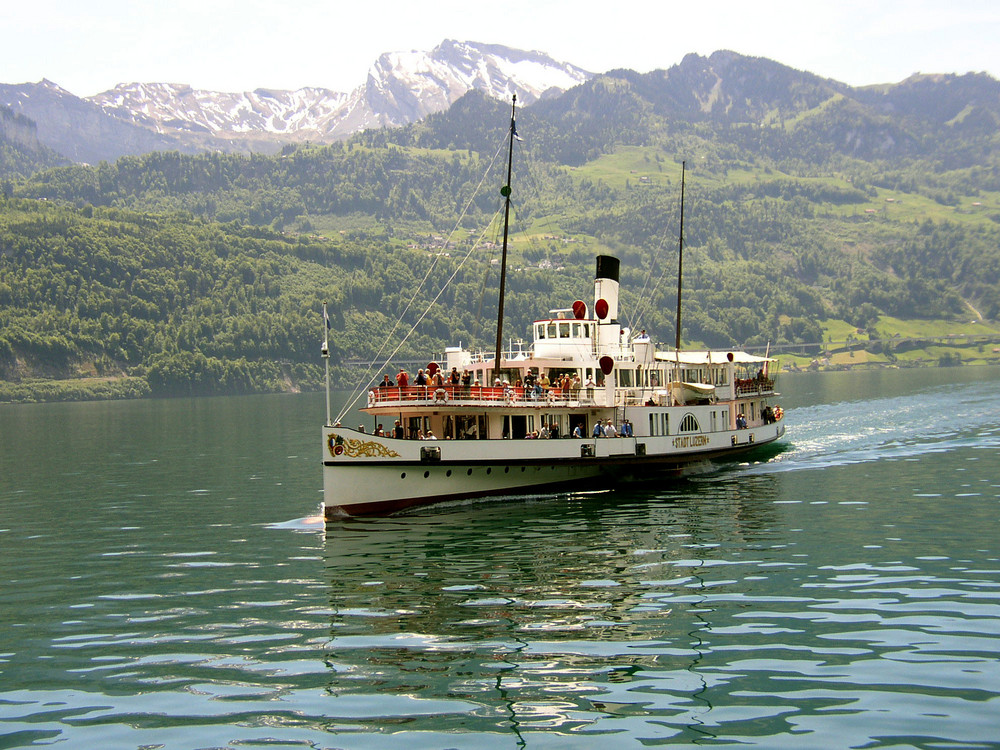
[680, 263]
[505, 192]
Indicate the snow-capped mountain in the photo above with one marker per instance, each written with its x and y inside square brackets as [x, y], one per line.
[177, 108]
[401, 87]
[79, 129]
[408, 86]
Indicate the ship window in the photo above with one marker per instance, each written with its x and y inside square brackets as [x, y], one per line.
[626, 378]
[586, 330]
[576, 330]
[540, 332]
[564, 330]
[690, 424]
[659, 423]
[552, 330]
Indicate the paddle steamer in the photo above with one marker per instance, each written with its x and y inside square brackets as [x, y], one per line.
[587, 403]
[485, 437]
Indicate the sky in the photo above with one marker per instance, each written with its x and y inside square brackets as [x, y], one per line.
[89, 46]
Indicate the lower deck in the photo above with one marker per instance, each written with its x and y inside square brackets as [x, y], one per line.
[495, 417]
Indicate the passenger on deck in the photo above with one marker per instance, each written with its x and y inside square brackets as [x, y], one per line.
[397, 430]
[609, 430]
[386, 382]
[421, 378]
[598, 430]
[402, 379]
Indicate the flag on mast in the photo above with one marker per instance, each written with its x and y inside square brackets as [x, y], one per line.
[326, 333]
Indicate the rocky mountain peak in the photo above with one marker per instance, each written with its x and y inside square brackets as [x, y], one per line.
[401, 87]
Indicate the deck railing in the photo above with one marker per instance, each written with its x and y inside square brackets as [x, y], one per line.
[754, 386]
[421, 395]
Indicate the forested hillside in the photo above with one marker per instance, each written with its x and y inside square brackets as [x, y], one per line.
[808, 203]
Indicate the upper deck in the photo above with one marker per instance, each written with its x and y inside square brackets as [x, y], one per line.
[394, 399]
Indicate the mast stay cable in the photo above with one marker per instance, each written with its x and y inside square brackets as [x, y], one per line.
[367, 378]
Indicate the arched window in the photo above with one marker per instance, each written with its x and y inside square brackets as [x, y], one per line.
[690, 424]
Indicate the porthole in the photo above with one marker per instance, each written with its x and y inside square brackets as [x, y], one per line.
[403, 475]
[506, 470]
[448, 473]
[524, 468]
[469, 472]
[426, 474]
[489, 469]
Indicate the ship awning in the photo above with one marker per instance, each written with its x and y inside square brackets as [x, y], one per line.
[690, 358]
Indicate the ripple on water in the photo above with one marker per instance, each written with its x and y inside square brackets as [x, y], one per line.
[842, 594]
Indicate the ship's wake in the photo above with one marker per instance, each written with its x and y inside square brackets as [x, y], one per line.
[933, 421]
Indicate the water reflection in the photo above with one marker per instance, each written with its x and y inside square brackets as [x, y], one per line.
[545, 614]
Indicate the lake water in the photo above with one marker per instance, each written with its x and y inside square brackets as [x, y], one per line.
[162, 586]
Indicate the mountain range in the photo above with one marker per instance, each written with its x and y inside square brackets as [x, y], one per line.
[921, 113]
[401, 87]
[817, 209]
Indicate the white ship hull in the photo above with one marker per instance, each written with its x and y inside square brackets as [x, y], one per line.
[375, 475]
